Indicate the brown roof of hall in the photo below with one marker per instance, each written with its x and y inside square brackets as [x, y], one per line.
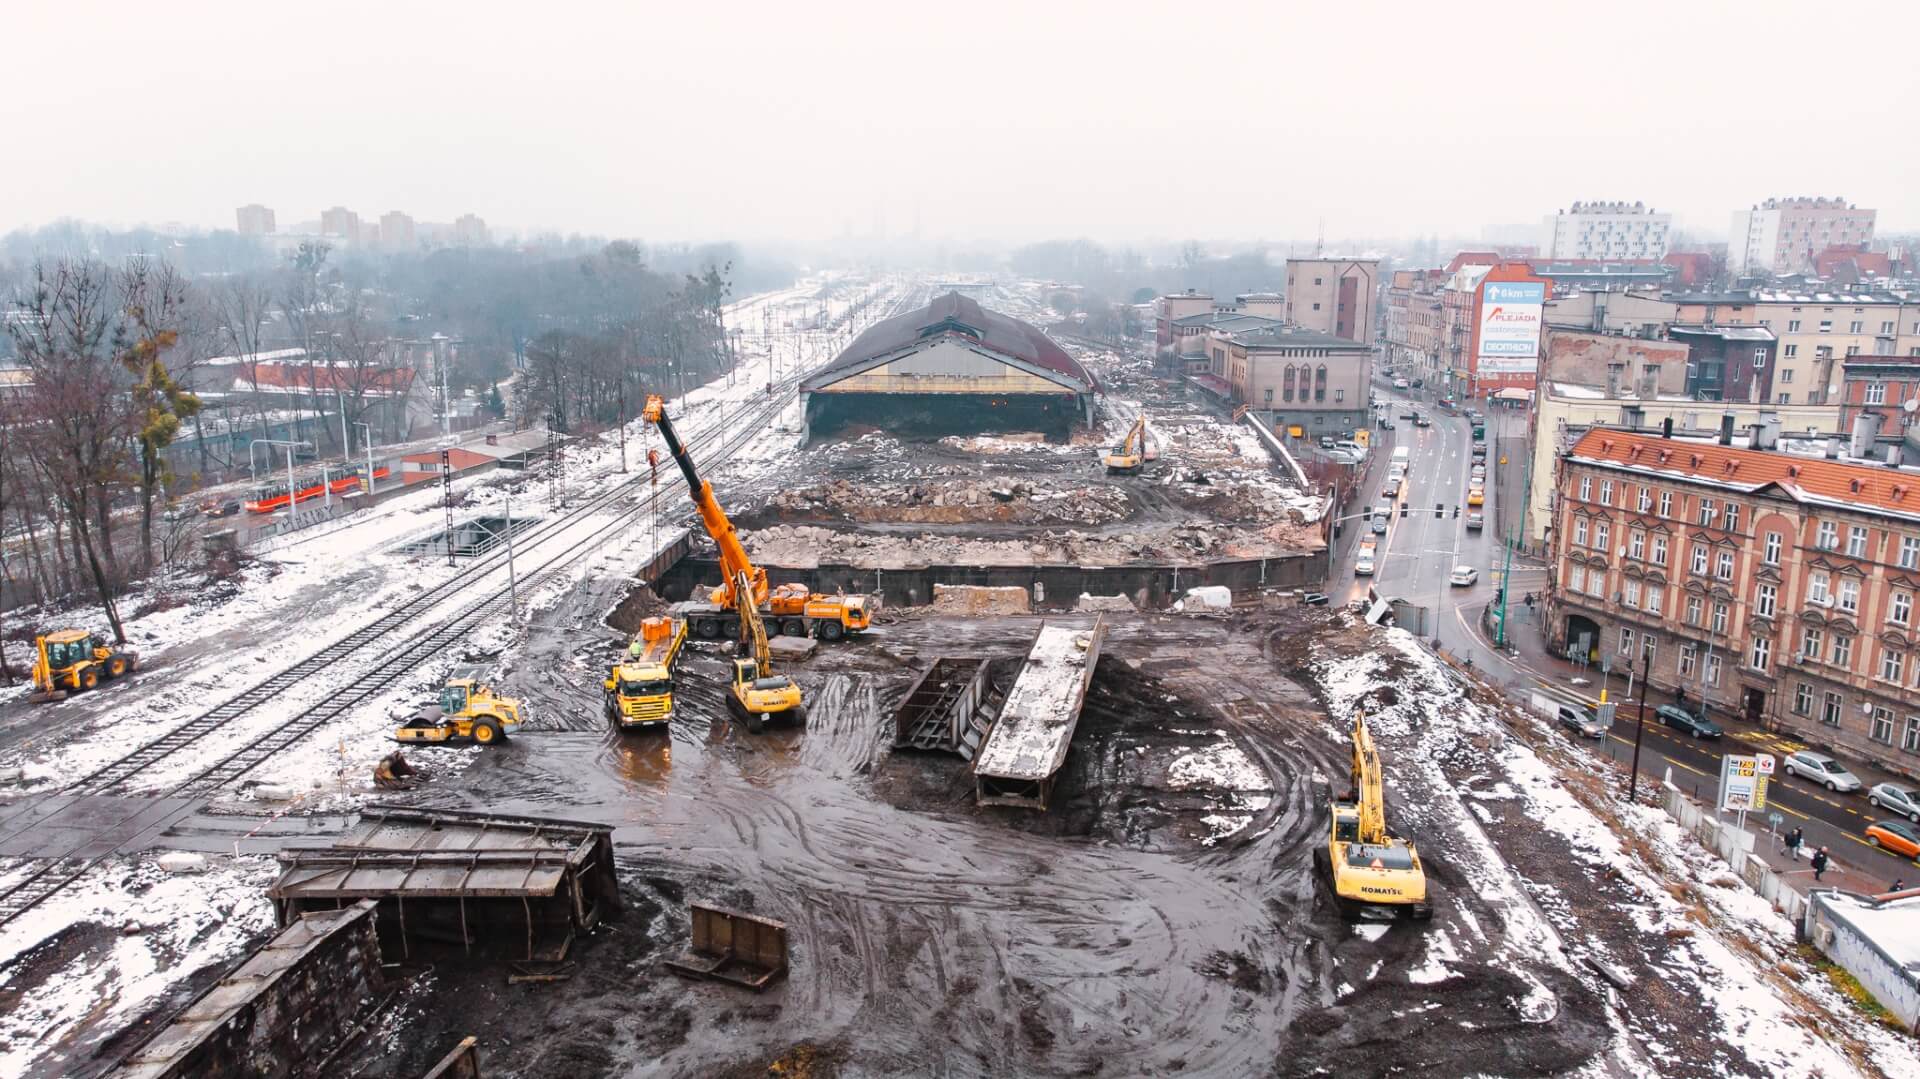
[1874, 488]
[954, 313]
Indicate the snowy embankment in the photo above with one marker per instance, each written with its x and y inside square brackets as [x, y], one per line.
[1724, 946]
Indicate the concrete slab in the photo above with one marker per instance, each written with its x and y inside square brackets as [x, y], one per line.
[1029, 741]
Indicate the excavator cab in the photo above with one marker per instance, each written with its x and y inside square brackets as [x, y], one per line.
[71, 660]
[755, 697]
[1129, 457]
[467, 710]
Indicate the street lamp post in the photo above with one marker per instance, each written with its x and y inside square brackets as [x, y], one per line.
[1640, 726]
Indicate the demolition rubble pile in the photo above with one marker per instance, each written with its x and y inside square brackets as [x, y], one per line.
[955, 501]
[806, 546]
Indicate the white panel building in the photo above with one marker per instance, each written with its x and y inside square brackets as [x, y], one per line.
[1783, 235]
[1607, 231]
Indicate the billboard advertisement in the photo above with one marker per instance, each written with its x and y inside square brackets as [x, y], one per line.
[1510, 321]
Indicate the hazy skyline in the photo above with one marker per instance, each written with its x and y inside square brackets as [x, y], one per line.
[995, 123]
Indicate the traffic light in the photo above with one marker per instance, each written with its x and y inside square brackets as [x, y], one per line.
[1403, 509]
[1456, 510]
[1439, 510]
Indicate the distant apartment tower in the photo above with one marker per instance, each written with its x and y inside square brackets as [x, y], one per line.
[254, 220]
[340, 221]
[1333, 296]
[1609, 231]
[1783, 235]
[396, 231]
[469, 231]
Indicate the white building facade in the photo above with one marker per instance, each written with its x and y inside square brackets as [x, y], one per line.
[1783, 235]
[1611, 231]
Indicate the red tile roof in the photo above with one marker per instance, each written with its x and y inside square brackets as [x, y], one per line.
[1873, 488]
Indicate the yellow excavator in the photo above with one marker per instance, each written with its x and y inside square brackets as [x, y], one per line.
[468, 711]
[1129, 457]
[1369, 871]
[640, 685]
[791, 609]
[757, 692]
[73, 660]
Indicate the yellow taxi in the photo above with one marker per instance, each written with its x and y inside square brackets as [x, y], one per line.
[1476, 496]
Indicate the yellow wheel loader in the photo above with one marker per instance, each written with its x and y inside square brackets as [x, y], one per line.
[72, 660]
[468, 711]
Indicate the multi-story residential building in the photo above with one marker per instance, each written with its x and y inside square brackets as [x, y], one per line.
[1727, 363]
[1815, 331]
[1416, 326]
[1883, 386]
[1297, 377]
[342, 222]
[1611, 231]
[1334, 296]
[1565, 411]
[469, 231]
[254, 220]
[1782, 236]
[1777, 585]
[396, 231]
[1639, 314]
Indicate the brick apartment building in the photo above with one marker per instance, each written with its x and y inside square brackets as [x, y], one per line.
[1777, 585]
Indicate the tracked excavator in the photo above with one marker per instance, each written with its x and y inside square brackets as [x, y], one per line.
[1369, 871]
[1129, 457]
[791, 609]
[758, 693]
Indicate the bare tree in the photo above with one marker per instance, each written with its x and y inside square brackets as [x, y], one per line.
[154, 299]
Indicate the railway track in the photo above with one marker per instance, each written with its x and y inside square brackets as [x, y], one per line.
[58, 873]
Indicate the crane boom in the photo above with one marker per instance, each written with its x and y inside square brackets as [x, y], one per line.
[737, 571]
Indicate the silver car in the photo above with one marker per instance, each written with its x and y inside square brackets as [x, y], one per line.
[1901, 800]
[1823, 770]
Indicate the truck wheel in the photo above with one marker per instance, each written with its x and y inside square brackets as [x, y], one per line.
[794, 627]
[708, 628]
[90, 678]
[487, 732]
[831, 631]
[117, 665]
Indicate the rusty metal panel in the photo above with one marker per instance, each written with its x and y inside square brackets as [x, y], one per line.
[937, 708]
[744, 949]
[1030, 739]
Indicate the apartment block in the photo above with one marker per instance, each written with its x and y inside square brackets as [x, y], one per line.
[254, 220]
[1780, 586]
[1333, 296]
[1607, 231]
[1816, 331]
[1783, 236]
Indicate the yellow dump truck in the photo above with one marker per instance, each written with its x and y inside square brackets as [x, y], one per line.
[640, 684]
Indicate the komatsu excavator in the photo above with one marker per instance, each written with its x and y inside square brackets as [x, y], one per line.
[790, 609]
[1129, 457]
[757, 692]
[1368, 870]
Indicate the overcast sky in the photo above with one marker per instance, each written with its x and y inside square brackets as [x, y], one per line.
[1005, 123]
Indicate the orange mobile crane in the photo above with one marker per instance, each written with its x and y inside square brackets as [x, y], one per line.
[791, 609]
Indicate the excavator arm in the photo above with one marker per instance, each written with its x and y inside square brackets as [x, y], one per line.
[737, 571]
[1136, 436]
[1367, 784]
[753, 632]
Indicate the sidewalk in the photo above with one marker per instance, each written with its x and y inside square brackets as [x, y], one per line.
[1529, 664]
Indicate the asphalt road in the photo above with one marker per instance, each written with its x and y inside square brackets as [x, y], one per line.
[1420, 550]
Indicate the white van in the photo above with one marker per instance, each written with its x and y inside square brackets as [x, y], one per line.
[1402, 455]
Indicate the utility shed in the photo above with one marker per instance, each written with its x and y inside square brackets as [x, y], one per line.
[1028, 743]
[1877, 940]
[952, 366]
[501, 884]
[281, 1012]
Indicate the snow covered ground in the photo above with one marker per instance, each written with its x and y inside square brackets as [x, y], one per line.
[1759, 1006]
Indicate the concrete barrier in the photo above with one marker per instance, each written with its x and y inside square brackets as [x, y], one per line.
[1735, 845]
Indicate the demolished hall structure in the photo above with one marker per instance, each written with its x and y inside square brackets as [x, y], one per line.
[951, 367]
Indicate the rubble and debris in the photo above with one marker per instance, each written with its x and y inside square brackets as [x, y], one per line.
[955, 501]
[1030, 738]
[728, 946]
[1094, 604]
[980, 599]
[946, 708]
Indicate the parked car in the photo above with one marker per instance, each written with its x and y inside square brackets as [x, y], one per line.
[1476, 521]
[1476, 496]
[1463, 576]
[1681, 719]
[1902, 800]
[1822, 769]
[1479, 473]
[1896, 836]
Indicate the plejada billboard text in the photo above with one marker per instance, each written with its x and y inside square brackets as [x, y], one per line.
[1510, 317]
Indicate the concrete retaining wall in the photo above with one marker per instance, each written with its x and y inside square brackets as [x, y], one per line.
[1053, 587]
[1736, 846]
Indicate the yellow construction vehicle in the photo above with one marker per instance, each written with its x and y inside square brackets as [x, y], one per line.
[757, 692]
[640, 685]
[792, 609]
[1129, 457]
[468, 711]
[73, 660]
[1368, 870]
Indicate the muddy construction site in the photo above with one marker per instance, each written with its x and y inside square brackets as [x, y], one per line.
[1162, 917]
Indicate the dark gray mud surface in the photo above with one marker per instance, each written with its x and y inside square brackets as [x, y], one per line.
[931, 937]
